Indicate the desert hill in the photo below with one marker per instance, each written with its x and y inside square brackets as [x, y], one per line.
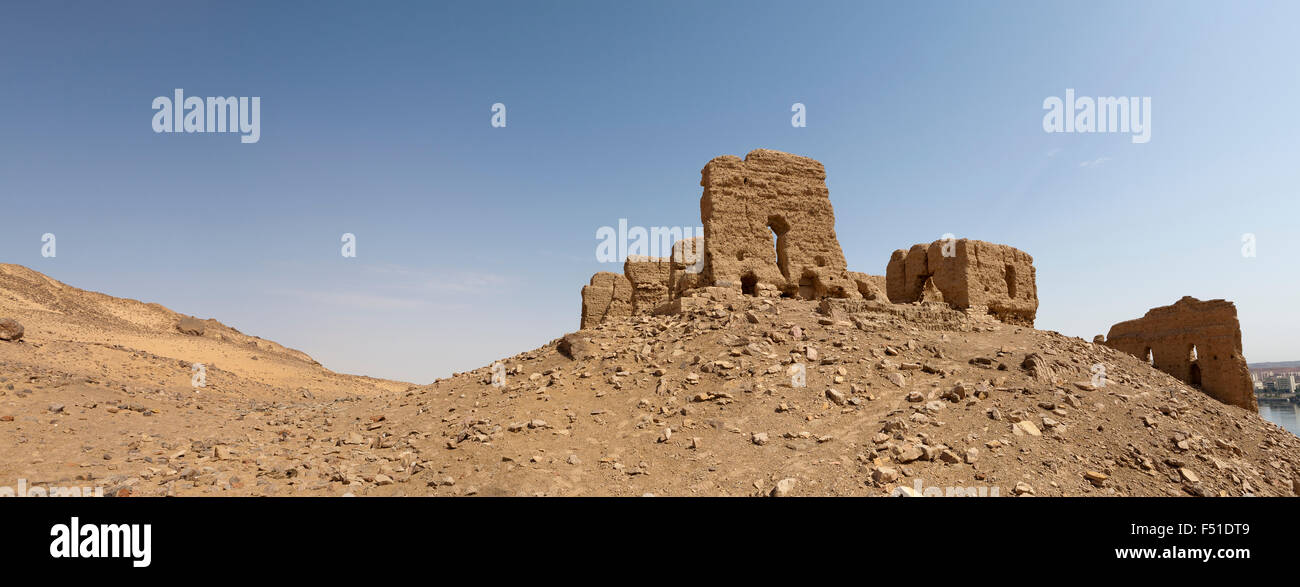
[750, 362]
[701, 401]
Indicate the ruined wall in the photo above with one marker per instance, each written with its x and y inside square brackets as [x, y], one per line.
[646, 283]
[769, 227]
[974, 274]
[608, 296]
[650, 279]
[1169, 333]
[871, 287]
[687, 270]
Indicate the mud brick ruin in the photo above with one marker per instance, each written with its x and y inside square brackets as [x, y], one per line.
[1197, 342]
[968, 275]
[769, 231]
[746, 204]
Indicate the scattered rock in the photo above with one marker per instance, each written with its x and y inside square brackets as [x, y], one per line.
[882, 475]
[783, 487]
[1024, 427]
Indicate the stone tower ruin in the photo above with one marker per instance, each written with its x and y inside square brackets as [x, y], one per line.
[768, 225]
[1197, 342]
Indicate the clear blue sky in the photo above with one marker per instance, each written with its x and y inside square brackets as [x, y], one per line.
[474, 242]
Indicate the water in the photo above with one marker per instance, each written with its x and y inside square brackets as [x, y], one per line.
[1284, 414]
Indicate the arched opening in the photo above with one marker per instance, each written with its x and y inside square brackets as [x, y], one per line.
[779, 227]
[748, 283]
[1194, 371]
[1010, 276]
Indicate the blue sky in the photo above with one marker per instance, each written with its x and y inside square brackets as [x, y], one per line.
[473, 242]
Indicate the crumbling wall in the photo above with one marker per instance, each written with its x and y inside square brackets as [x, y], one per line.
[650, 279]
[769, 228]
[608, 296]
[1169, 334]
[966, 274]
[687, 268]
[871, 287]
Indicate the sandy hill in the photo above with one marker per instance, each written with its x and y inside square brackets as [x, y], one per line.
[701, 401]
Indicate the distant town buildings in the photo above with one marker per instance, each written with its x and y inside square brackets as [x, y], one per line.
[1270, 382]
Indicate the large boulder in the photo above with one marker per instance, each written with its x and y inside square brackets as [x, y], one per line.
[10, 329]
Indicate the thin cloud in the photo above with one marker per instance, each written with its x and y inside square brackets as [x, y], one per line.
[450, 281]
[365, 301]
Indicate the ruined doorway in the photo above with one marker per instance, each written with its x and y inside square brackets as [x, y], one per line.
[809, 286]
[1010, 276]
[748, 284]
[1149, 357]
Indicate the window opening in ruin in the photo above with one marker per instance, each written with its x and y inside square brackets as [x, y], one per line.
[1150, 357]
[1194, 375]
[820, 260]
[748, 283]
[779, 227]
[1011, 281]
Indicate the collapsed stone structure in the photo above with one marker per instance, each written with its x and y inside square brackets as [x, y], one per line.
[769, 231]
[970, 275]
[1197, 342]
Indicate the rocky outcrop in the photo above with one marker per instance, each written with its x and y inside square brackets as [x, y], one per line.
[190, 325]
[971, 275]
[1197, 342]
[769, 227]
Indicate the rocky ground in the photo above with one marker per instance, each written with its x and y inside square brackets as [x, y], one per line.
[98, 392]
